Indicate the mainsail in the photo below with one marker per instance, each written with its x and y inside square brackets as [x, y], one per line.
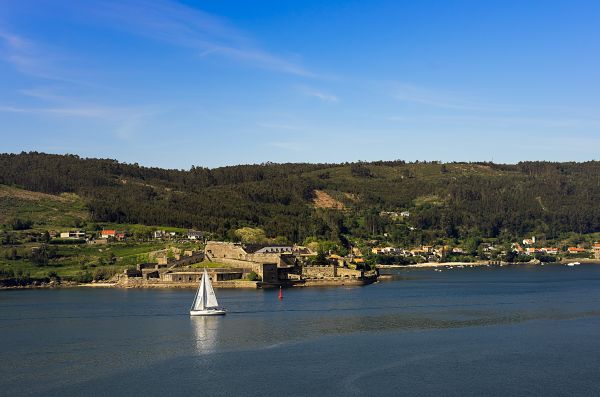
[205, 296]
[211, 298]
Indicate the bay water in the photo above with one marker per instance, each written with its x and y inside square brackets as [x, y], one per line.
[518, 330]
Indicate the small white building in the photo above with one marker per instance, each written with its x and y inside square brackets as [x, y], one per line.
[194, 235]
[73, 235]
[529, 241]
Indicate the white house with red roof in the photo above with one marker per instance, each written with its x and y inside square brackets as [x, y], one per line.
[108, 233]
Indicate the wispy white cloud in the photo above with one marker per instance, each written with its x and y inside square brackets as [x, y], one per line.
[94, 112]
[547, 121]
[411, 93]
[321, 95]
[36, 60]
[124, 122]
[184, 26]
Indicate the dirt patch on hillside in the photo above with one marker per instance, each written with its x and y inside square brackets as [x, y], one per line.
[324, 200]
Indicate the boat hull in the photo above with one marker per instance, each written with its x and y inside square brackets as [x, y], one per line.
[213, 312]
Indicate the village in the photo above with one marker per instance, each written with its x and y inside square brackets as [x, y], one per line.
[164, 258]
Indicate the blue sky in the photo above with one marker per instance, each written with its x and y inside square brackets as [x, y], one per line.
[210, 83]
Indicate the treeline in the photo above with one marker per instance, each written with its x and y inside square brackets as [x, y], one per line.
[446, 201]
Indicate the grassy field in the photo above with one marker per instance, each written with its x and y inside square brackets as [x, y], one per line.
[71, 261]
[68, 212]
[208, 265]
[45, 210]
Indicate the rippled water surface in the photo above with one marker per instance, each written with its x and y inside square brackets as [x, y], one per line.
[494, 331]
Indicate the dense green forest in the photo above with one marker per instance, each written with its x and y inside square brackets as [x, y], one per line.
[445, 201]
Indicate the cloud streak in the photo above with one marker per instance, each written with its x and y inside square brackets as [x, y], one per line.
[183, 26]
[321, 95]
[410, 93]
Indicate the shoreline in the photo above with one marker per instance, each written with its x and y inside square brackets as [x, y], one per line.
[436, 264]
[583, 261]
[232, 284]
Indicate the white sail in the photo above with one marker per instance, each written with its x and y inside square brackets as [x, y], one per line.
[205, 302]
[211, 298]
[205, 296]
[200, 299]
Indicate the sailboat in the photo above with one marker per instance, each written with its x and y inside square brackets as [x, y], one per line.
[205, 302]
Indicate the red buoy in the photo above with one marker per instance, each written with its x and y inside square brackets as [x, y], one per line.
[280, 293]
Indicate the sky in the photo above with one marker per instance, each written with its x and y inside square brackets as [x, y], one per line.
[211, 83]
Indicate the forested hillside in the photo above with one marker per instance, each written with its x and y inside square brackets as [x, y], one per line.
[452, 200]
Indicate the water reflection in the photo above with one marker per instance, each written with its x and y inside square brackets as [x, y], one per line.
[206, 332]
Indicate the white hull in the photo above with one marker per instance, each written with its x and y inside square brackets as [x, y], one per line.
[208, 312]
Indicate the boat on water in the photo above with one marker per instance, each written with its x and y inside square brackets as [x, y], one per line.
[205, 301]
[573, 264]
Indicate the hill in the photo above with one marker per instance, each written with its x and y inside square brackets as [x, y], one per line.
[47, 211]
[326, 201]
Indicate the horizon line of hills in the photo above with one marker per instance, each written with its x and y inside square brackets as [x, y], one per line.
[309, 164]
[446, 200]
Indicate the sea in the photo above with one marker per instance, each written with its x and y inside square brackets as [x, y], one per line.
[493, 331]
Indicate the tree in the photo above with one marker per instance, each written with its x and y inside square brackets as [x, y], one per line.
[20, 224]
[41, 255]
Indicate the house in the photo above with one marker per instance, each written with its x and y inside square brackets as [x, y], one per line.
[405, 214]
[158, 234]
[377, 250]
[194, 235]
[528, 241]
[389, 214]
[458, 250]
[575, 250]
[550, 250]
[108, 233]
[120, 236]
[274, 249]
[596, 249]
[516, 247]
[531, 251]
[391, 251]
[73, 235]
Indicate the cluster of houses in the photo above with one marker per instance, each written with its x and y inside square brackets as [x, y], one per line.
[83, 235]
[106, 235]
[428, 252]
[394, 215]
[529, 250]
[435, 253]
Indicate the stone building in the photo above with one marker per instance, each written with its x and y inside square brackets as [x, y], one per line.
[270, 262]
[194, 276]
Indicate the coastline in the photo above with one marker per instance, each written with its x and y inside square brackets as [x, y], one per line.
[437, 264]
[583, 261]
[231, 284]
